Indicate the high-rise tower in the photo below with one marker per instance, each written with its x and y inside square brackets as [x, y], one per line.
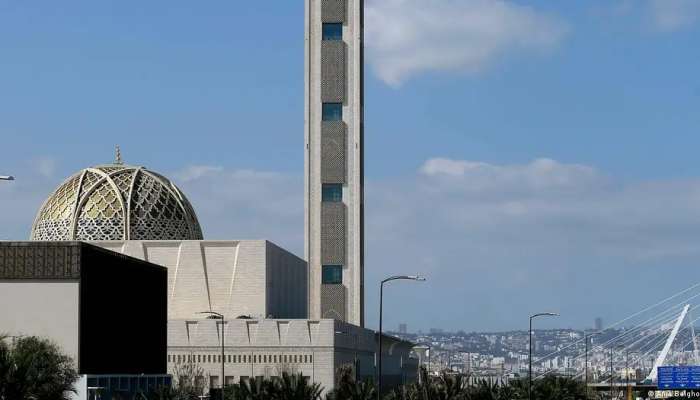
[334, 225]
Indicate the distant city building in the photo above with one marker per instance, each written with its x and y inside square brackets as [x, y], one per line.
[436, 331]
[598, 324]
[403, 329]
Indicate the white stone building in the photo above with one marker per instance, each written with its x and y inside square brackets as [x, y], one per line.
[254, 278]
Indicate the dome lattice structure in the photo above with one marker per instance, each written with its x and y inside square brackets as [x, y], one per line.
[116, 202]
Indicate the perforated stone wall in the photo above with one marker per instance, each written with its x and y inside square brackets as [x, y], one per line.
[333, 150]
[333, 302]
[333, 10]
[333, 71]
[333, 233]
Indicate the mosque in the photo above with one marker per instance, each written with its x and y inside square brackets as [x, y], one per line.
[281, 312]
[259, 287]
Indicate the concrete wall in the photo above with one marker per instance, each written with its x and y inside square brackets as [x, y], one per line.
[42, 308]
[261, 346]
[247, 277]
[287, 284]
[258, 347]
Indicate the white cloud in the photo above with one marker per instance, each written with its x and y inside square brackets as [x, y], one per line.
[673, 15]
[193, 172]
[540, 173]
[495, 240]
[501, 240]
[408, 37]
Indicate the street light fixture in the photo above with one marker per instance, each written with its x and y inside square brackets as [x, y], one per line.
[529, 374]
[216, 315]
[587, 338]
[427, 348]
[381, 298]
[7, 178]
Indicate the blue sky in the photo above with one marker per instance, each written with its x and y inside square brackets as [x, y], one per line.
[516, 151]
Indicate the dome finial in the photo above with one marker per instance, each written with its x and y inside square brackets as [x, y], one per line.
[118, 157]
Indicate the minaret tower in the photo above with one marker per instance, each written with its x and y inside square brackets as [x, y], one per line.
[334, 179]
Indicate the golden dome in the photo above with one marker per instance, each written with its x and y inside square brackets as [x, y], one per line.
[116, 202]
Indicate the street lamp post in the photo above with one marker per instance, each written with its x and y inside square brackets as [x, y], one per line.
[612, 380]
[220, 316]
[426, 348]
[381, 299]
[627, 369]
[587, 338]
[529, 374]
[430, 353]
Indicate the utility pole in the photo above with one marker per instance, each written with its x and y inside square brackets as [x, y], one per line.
[612, 380]
[216, 315]
[587, 338]
[627, 371]
[381, 309]
[529, 375]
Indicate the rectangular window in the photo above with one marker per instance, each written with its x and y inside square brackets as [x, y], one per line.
[332, 274]
[332, 112]
[332, 31]
[332, 192]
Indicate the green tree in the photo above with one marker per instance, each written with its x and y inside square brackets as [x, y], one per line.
[286, 387]
[444, 387]
[254, 389]
[35, 368]
[558, 388]
[295, 387]
[348, 388]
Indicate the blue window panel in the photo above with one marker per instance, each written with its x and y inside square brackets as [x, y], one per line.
[332, 31]
[332, 192]
[332, 274]
[332, 112]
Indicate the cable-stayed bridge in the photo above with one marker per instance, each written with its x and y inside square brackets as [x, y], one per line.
[629, 351]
